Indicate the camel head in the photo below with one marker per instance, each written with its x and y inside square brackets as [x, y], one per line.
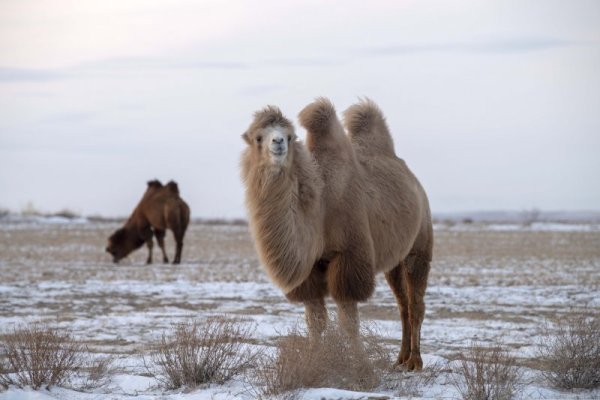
[270, 137]
[123, 242]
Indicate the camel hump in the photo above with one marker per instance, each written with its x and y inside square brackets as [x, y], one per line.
[367, 126]
[173, 187]
[318, 116]
[269, 116]
[155, 183]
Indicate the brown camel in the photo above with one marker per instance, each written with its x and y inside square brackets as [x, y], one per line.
[160, 209]
[366, 211]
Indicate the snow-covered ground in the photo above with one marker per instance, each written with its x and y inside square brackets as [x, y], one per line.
[488, 283]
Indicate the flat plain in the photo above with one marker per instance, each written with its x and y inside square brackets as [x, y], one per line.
[488, 283]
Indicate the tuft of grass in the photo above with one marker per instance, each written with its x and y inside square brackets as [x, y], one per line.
[413, 384]
[569, 353]
[488, 372]
[99, 372]
[198, 352]
[333, 361]
[41, 356]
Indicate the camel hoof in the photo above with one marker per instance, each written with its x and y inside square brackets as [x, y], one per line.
[165, 260]
[414, 364]
[401, 361]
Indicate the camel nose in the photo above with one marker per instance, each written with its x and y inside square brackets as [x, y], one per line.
[278, 140]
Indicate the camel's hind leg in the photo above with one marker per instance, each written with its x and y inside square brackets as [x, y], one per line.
[160, 238]
[409, 281]
[178, 234]
[150, 244]
[178, 224]
[178, 247]
[397, 280]
[418, 270]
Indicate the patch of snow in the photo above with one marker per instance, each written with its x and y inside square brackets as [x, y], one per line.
[132, 384]
[335, 394]
[26, 394]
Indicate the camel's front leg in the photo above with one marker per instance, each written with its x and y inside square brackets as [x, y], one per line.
[150, 244]
[350, 279]
[312, 293]
[348, 318]
[349, 322]
[146, 235]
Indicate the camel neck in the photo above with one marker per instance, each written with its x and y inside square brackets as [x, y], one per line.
[285, 219]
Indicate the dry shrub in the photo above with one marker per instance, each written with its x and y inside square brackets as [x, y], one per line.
[334, 361]
[42, 356]
[569, 354]
[488, 373]
[99, 372]
[208, 351]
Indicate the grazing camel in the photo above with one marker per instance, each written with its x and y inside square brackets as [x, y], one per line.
[326, 224]
[160, 209]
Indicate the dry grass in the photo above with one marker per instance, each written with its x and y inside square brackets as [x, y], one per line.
[335, 361]
[99, 373]
[415, 384]
[488, 373]
[198, 352]
[569, 354]
[42, 356]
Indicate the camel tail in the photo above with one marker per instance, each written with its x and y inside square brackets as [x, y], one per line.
[318, 116]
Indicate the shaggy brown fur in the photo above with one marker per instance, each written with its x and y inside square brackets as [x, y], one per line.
[368, 129]
[284, 202]
[374, 218]
[399, 218]
[160, 209]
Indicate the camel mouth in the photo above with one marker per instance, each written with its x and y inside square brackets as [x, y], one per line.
[279, 152]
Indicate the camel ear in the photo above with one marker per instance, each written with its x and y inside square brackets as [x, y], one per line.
[246, 137]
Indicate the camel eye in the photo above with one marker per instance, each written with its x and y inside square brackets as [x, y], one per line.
[289, 138]
[259, 139]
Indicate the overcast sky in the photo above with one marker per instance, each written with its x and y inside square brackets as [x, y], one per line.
[493, 104]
